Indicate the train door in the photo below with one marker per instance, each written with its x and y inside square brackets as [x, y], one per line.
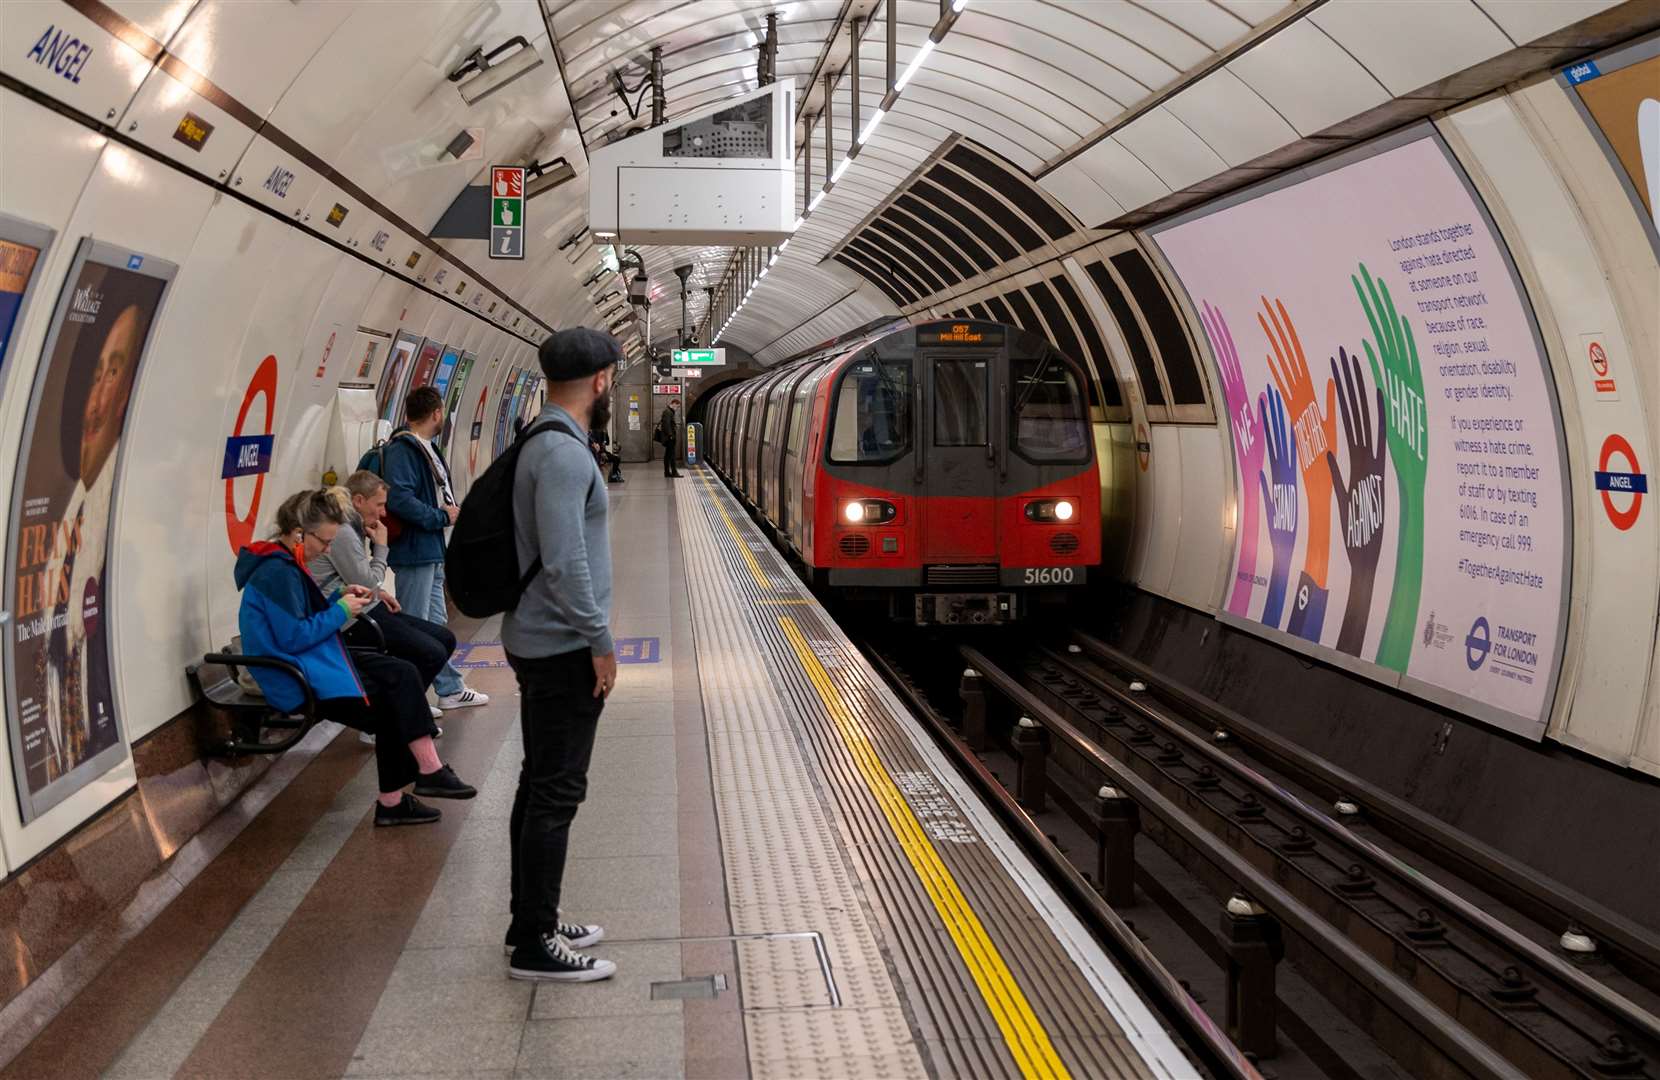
[959, 476]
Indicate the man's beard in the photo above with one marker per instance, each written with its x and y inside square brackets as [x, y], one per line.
[599, 418]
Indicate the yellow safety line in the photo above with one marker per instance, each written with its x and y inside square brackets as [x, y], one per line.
[755, 570]
[1022, 1031]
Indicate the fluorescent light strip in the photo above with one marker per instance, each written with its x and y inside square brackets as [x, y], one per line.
[916, 62]
[870, 128]
[875, 121]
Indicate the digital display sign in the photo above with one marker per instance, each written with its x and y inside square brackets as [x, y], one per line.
[958, 334]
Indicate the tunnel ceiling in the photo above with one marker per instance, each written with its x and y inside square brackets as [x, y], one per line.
[1108, 113]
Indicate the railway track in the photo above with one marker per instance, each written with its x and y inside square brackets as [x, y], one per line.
[1413, 955]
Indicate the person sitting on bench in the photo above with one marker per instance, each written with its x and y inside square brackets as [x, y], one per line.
[285, 615]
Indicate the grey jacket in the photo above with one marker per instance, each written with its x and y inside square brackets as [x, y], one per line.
[561, 512]
[350, 560]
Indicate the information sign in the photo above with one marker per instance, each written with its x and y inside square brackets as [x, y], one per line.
[666, 389]
[698, 357]
[507, 212]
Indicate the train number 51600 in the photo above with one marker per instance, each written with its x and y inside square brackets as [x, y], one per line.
[1050, 575]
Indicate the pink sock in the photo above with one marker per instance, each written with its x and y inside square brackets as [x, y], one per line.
[389, 799]
[426, 754]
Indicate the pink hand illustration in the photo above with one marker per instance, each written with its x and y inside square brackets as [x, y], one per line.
[1248, 447]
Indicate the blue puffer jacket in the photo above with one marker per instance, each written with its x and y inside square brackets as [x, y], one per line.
[285, 615]
[412, 496]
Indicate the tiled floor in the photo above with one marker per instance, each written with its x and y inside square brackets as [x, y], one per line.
[708, 848]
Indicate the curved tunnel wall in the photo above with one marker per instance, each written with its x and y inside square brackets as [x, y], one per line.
[319, 111]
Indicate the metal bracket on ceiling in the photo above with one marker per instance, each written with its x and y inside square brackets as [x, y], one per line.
[654, 80]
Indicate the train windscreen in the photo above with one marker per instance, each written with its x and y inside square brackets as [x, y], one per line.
[1048, 421]
[873, 412]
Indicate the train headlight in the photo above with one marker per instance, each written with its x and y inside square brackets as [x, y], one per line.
[868, 511]
[1050, 510]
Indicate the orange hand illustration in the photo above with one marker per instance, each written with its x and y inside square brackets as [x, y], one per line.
[1316, 434]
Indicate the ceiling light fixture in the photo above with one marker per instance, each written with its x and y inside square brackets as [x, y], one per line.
[935, 35]
[483, 73]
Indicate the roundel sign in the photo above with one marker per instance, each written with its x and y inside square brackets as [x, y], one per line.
[1143, 448]
[1620, 480]
[249, 454]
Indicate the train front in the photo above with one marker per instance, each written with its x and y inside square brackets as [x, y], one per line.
[959, 482]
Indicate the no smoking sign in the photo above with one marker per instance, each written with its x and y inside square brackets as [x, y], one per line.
[1602, 372]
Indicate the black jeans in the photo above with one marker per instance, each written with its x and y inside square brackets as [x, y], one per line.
[427, 645]
[395, 714]
[558, 716]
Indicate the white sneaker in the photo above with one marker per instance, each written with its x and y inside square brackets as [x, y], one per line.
[366, 738]
[465, 698]
[436, 711]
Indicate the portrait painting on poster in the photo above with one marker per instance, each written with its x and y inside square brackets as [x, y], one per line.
[62, 714]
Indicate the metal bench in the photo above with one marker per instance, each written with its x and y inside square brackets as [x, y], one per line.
[216, 680]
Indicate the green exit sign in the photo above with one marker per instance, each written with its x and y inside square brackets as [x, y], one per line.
[699, 357]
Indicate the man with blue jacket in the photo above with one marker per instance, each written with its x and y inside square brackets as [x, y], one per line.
[420, 499]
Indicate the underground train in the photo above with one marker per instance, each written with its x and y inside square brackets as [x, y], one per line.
[944, 471]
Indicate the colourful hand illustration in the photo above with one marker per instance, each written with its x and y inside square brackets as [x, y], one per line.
[1316, 434]
[1279, 498]
[1360, 499]
[1401, 381]
[1248, 448]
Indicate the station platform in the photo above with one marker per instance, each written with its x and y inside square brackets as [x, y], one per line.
[793, 881]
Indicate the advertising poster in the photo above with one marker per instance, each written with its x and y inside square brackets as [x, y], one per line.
[426, 365]
[446, 370]
[389, 398]
[452, 400]
[368, 348]
[1401, 489]
[509, 394]
[476, 431]
[21, 246]
[1619, 96]
[65, 731]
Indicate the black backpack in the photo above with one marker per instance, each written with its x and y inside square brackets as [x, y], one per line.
[481, 566]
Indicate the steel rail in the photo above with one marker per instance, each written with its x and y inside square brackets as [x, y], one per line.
[1437, 1028]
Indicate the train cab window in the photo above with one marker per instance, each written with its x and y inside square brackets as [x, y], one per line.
[1048, 417]
[960, 392]
[873, 412]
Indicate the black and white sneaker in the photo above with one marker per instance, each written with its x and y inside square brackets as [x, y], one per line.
[444, 784]
[550, 958]
[411, 811]
[578, 935]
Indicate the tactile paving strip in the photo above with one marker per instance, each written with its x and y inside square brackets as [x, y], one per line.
[806, 744]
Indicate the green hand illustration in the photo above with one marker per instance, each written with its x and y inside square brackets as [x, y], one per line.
[1395, 370]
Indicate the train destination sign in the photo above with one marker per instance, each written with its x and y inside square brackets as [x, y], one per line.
[698, 357]
[958, 334]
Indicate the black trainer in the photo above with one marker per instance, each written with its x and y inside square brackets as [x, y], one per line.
[578, 935]
[444, 784]
[550, 958]
[409, 811]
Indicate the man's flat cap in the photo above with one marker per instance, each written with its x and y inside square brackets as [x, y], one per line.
[577, 353]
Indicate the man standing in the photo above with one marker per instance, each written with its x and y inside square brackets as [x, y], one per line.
[420, 497]
[558, 641]
[668, 433]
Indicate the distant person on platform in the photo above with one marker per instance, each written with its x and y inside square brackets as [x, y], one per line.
[558, 642]
[668, 436]
[420, 497]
